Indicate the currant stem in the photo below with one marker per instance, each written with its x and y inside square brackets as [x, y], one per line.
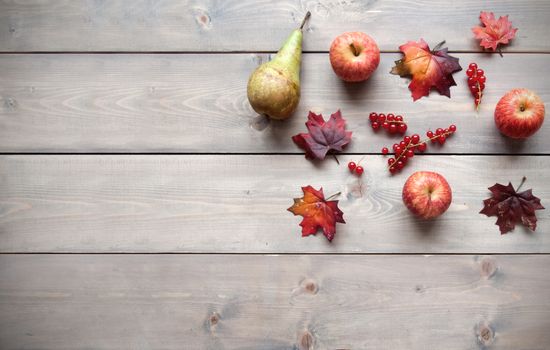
[334, 195]
[479, 95]
[411, 145]
[521, 184]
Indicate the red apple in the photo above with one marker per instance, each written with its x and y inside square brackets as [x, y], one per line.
[519, 113]
[354, 56]
[427, 194]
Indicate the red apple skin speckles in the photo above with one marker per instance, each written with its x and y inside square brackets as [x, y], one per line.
[514, 122]
[354, 56]
[427, 194]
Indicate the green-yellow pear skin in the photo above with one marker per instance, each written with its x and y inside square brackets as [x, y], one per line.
[274, 87]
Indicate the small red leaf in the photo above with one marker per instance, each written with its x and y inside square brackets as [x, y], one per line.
[318, 213]
[427, 68]
[323, 136]
[494, 32]
[511, 207]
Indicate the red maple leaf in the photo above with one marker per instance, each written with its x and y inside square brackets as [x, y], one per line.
[317, 213]
[427, 68]
[494, 32]
[511, 207]
[323, 136]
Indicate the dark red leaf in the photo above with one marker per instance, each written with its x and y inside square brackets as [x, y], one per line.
[323, 136]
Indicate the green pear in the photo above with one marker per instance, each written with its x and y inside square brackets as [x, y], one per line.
[274, 87]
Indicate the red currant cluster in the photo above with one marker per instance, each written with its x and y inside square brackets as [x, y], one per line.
[354, 168]
[476, 82]
[405, 150]
[391, 123]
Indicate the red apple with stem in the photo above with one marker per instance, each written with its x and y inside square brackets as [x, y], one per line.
[427, 194]
[354, 56]
[519, 113]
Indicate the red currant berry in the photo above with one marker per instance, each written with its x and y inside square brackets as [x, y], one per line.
[373, 116]
[482, 79]
[407, 140]
[477, 101]
[385, 150]
[402, 144]
[381, 118]
[415, 138]
[438, 131]
[473, 66]
[452, 128]
[390, 117]
[472, 81]
[394, 147]
[403, 159]
[399, 165]
[474, 89]
[375, 125]
[393, 169]
[352, 166]
[410, 153]
[393, 128]
[391, 161]
[398, 150]
[482, 86]
[470, 72]
[430, 134]
[398, 118]
[402, 128]
[422, 147]
[480, 72]
[441, 139]
[386, 125]
[359, 170]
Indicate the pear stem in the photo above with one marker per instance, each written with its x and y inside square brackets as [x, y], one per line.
[308, 14]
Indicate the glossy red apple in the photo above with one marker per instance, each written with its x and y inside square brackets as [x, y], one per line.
[354, 56]
[427, 194]
[519, 113]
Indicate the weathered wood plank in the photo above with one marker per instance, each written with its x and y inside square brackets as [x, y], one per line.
[237, 204]
[197, 103]
[236, 25]
[274, 302]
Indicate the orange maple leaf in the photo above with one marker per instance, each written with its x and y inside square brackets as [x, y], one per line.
[317, 213]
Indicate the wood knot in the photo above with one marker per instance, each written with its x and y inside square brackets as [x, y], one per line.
[485, 334]
[10, 103]
[419, 288]
[12, 30]
[306, 341]
[309, 286]
[202, 18]
[212, 320]
[488, 267]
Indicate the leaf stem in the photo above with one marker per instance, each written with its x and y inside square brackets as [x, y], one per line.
[334, 195]
[335, 158]
[521, 184]
[438, 46]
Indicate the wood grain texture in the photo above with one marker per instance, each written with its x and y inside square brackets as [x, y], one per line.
[237, 204]
[197, 103]
[274, 302]
[237, 25]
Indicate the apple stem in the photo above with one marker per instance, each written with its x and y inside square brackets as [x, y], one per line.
[334, 195]
[308, 14]
[354, 49]
[521, 184]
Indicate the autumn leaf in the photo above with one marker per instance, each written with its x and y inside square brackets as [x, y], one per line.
[323, 136]
[494, 32]
[511, 207]
[427, 68]
[318, 213]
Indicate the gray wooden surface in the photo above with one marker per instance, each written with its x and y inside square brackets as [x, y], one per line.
[160, 239]
[250, 25]
[274, 302]
[237, 204]
[197, 103]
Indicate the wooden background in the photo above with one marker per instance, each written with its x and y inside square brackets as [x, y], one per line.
[143, 202]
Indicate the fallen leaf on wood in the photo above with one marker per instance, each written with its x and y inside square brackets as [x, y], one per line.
[494, 32]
